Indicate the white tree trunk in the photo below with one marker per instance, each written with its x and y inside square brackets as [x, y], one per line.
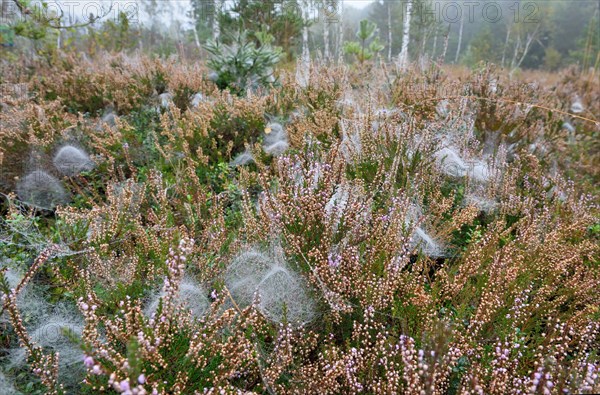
[340, 32]
[434, 49]
[403, 58]
[216, 30]
[4, 9]
[460, 34]
[303, 67]
[508, 29]
[514, 59]
[305, 32]
[389, 26]
[446, 39]
[196, 38]
[530, 38]
[326, 27]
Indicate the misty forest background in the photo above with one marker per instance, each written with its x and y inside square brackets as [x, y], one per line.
[545, 35]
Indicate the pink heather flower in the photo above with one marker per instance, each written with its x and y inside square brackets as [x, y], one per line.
[141, 378]
[213, 294]
[334, 262]
[88, 361]
[124, 385]
[96, 370]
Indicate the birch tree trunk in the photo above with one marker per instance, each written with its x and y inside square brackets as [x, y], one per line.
[326, 27]
[446, 39]
[305, 31]
[506, 43]
[196, 38]
[340, 32]
[403, 58]
[514, 58]
[4, 9]
[530, 38]
[389, 26]
[216, 30]
[460, 34]
[422, 60]
[434, 50]
[303, 67]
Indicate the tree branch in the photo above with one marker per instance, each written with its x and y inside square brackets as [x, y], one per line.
[54, 22]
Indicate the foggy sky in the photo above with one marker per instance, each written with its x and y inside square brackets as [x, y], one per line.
[169, 10]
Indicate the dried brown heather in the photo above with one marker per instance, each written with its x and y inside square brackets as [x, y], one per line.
[473, 274]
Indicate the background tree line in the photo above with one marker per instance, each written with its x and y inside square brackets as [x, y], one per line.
[514, 34]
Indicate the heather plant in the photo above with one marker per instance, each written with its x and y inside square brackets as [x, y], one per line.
[88, 87]
[128, 195]
[214, 133]
[415, 247]
[25, 129]
[320, 97]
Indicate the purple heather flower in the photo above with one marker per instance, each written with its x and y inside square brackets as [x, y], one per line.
[124, 385]
[334, 262]
[88, 361]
